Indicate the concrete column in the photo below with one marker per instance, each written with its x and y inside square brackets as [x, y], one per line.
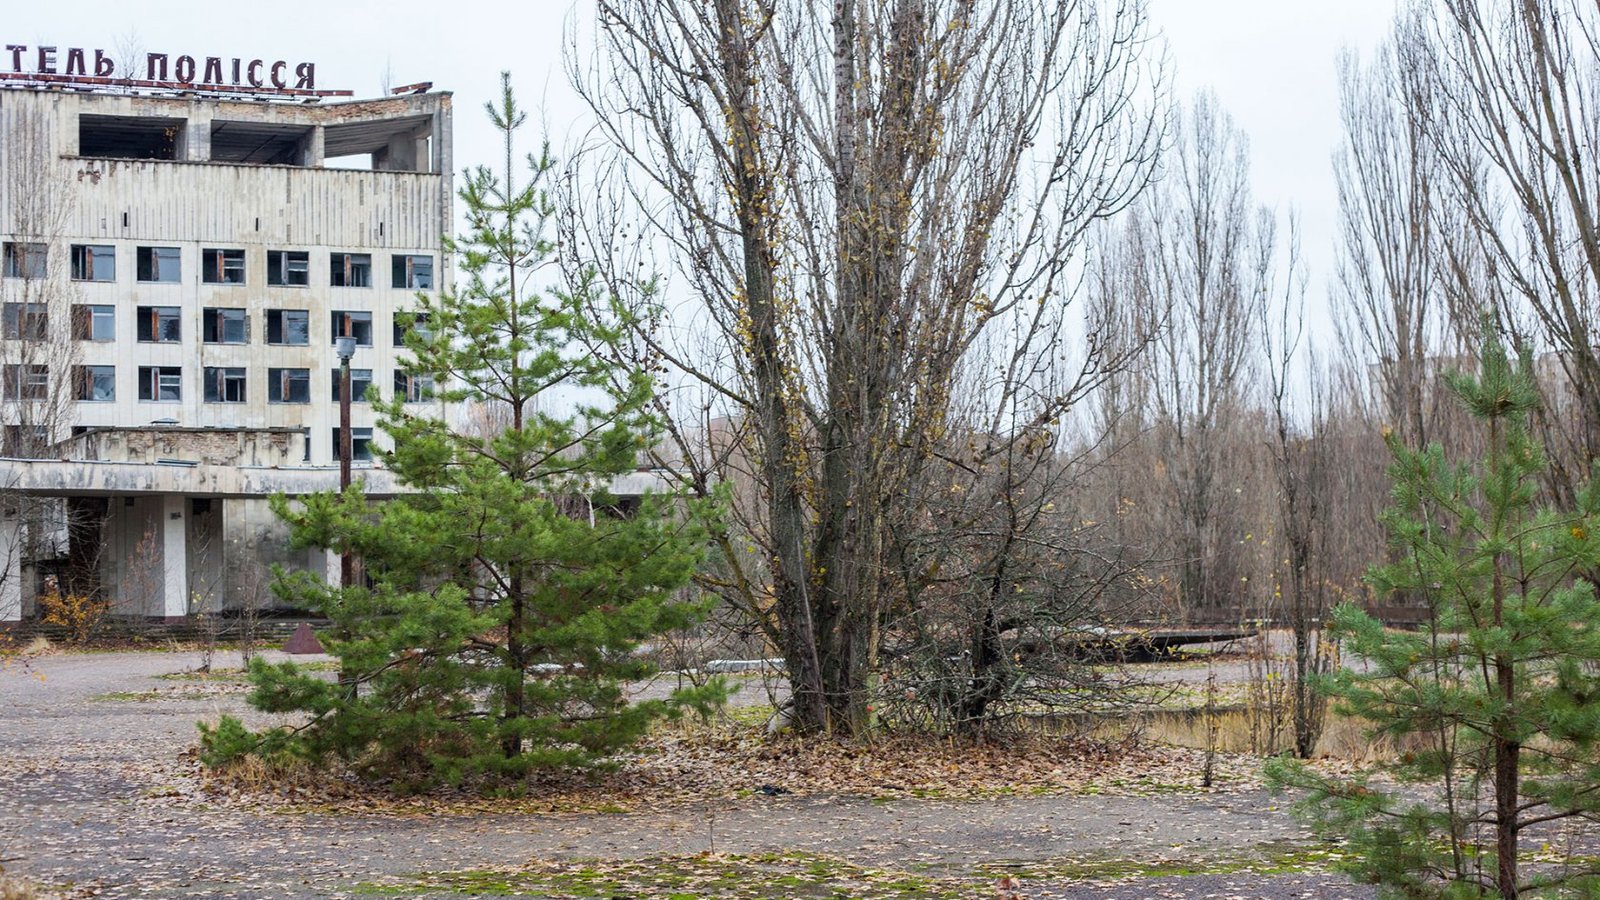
[10, 567]
[174, 557]
[197, 137]
[316, 146]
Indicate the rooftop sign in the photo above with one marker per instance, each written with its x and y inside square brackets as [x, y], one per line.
[75, 66]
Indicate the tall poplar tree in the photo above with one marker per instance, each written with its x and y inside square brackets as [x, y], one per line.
[507, 595]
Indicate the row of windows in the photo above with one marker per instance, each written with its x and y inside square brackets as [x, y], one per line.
[164, 265]
[219, 384]
[28, 440]
[218, 325]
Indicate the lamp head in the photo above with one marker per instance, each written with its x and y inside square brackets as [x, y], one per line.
[345, 347]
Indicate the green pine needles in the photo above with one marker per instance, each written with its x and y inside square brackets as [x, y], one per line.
[508, 595]
[1494, 705]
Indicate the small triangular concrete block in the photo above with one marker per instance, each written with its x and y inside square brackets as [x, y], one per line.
[303, 641]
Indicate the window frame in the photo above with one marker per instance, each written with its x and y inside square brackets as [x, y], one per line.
[412, 388]
[220, 383]
[404, 271]
[343, 269]
[154, 380]
[148, 261]
[279, 378]
[360, 444]
[28, 260]
[351, 318]
[218, 263]
[86, 316]
[280, 316]
[24, 321]
[283, 261]
[81, 262]
[154, 317]
[215, 319]
[359, 385]
[89, 376]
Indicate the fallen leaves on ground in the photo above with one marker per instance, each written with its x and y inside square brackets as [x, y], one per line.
[727, 762]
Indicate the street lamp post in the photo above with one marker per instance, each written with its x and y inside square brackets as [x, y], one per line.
[346, 348]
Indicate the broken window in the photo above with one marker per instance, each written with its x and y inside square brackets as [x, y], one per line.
[360, 380]
[224, 326]
[222, 266]
[350, 270]
[27, 381]
[413, 388]
[360, 444]
[158, 264]
[412, 272]
[224, 384]
[129, 137]
[160, 324]
[25, 321]
[288, 326]
[289, 385]
[353, 323]
[94, 262]
[160, 383]
[97, 384]
[94, 322]
[23, 260]
[288, 268]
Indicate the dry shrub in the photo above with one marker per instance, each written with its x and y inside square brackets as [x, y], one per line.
[79, 614]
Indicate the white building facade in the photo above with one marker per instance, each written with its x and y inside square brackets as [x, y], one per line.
[176, 267]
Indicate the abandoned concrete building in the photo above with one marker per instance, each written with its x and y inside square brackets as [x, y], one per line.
[177, 264]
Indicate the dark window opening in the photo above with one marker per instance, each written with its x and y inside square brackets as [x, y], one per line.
[94, 322]
[413, 388]
[129, 137]
[160, 324]
[350, 270]
[23, 260]
[419, 325]
[289, 385]
[224, 326]
[160, 383]
[352, 323]
[288, 326]
[360, 444]
[160, 264]
[412, 272]
[97, 383]
[263, 143]
[360, 380]
[25, 321]
[94, 262]
[27, 381]
[224, 385]
[288, 268]
[222, 266]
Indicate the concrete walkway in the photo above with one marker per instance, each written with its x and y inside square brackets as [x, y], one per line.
[94, 793]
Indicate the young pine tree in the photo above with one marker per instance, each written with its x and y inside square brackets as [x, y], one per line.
[507, 595]
[1494, 704]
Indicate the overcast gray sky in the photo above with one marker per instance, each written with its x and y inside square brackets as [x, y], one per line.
[1271, 63]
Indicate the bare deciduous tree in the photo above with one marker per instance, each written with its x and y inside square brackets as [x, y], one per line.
[1386, 289]
[857, 193]
[1515, 124]
[1202, 261]
[40, 381]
